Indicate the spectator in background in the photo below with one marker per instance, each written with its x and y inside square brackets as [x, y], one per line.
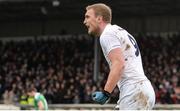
[23, 100]
[40, 102]
[6, 97]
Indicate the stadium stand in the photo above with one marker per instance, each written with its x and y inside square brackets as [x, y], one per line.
[62, 68]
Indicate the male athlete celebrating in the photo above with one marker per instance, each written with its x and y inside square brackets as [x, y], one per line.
[123, 56]
[40, 102]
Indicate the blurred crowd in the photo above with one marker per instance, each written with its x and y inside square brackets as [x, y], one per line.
[62, 68]
[161, 61]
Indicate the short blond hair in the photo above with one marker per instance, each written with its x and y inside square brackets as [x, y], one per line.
[102, 10]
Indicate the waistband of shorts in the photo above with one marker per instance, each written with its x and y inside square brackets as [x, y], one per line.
[133, 82]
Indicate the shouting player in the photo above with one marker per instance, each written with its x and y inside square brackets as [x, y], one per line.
[123, 56]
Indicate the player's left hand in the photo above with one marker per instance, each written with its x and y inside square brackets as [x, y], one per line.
[101, 97]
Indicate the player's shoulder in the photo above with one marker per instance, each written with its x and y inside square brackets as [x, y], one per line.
[109, 34]
[37, 95]
[111, 29]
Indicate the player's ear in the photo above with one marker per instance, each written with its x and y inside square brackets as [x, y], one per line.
[99, 18]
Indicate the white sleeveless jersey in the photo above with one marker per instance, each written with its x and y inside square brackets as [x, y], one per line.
[113, 37]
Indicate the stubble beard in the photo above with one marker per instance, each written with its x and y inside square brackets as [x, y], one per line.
[94, 33]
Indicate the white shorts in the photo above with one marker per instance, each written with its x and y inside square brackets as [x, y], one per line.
[138, 96]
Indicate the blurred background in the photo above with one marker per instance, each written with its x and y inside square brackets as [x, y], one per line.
[43, 43]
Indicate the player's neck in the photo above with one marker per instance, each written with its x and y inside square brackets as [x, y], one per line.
[102, 27]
